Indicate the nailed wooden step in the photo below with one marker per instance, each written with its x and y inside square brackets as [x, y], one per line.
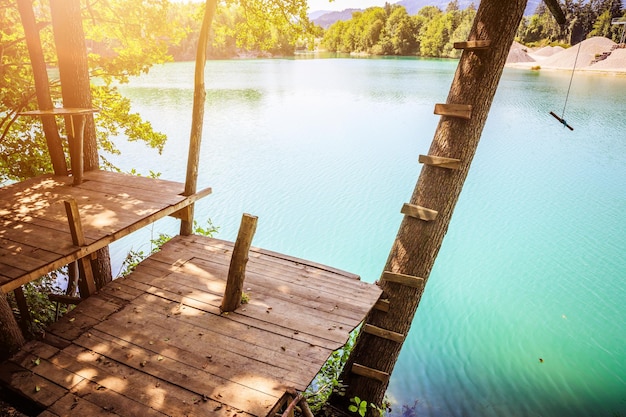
[384, 333]
[370, 373]
[419, 212]
[462, 111]
[440, 161]
[402, 279]
[382, 305]
[481, 44]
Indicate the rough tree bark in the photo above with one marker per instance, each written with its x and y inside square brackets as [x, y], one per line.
[418, 242]
[42, 86]
[11, 337]
[69, 39]
[197, 121]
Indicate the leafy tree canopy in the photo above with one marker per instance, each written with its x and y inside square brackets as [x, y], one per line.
[124, 38]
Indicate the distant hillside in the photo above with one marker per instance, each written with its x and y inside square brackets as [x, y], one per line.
[327, 18]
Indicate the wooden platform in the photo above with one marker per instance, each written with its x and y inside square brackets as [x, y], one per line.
[154, 343]
[34, 233]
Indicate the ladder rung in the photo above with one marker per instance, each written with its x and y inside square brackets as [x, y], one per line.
[419, 212]
[462, 111]
[406, 280]
[384, 333]
[370, 373]
[382, 305]
[484, 44]
[440, 161]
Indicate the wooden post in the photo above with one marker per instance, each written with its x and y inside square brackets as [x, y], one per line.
[86, 284]
[237, 269]
[197, 118]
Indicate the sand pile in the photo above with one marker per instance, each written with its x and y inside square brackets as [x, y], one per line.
[563, 59]
[614, 62]
[545, 52]
[589, 48]
[518, 53]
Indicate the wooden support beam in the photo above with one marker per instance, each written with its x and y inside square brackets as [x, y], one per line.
[22, 305]
[419, 212]
[384, 333]
[184, 214]
[480, 44]
[440, 161]
[402, 279]
[462, 111]
[64, 299]
[370, 373]
[86, 283]
[238, 261]
[382, 305]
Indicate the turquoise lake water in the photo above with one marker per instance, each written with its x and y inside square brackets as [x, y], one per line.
[325, 152]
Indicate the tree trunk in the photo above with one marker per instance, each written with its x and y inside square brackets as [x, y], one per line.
[11, 337]
[197, 120]
[69, 39]
[418, 242]
[42, 86]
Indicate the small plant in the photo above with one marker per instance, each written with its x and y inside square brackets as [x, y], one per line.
[245, 298]
[358, 406]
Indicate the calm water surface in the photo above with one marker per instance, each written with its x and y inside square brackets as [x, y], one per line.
[325, 151]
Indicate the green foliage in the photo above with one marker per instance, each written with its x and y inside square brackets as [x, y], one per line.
[327, 381]
[43, 312]
[391, 31]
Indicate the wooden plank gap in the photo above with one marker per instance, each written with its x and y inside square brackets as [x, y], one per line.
[383, 333]
[402, 279]
[479, 44]
[419, 212]
[370, 373]
[462, 111]
[440, 161]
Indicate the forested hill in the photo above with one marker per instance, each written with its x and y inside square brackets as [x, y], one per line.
[327, 18]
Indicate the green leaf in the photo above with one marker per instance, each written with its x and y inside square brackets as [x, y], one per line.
[353, 408]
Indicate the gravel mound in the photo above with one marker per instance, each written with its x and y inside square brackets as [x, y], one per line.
[557, 58]
[518, 53]
[547, 51]
[589, 49]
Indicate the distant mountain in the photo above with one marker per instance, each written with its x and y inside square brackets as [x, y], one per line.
[326, 18]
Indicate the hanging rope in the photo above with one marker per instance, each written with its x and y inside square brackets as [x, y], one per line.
[562, 118]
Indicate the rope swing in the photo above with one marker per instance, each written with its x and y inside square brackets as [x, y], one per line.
[562, 118]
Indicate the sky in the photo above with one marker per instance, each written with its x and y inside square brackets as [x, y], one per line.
[345, 4]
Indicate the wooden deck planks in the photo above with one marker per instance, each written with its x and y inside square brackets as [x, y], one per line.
[111, 205]
[154, 343]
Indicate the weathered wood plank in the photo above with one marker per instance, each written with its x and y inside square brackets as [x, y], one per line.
[476, 44]
[176, 321]
[156, 393]
[462, 111]
[109, 400]
[41, 391]
[383, 333]
[228, 392]
[440, 161]
[403, 279]
[370, 373]
[419, 212]
[71, 404]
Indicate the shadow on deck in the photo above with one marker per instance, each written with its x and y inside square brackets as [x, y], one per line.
[154, 343]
